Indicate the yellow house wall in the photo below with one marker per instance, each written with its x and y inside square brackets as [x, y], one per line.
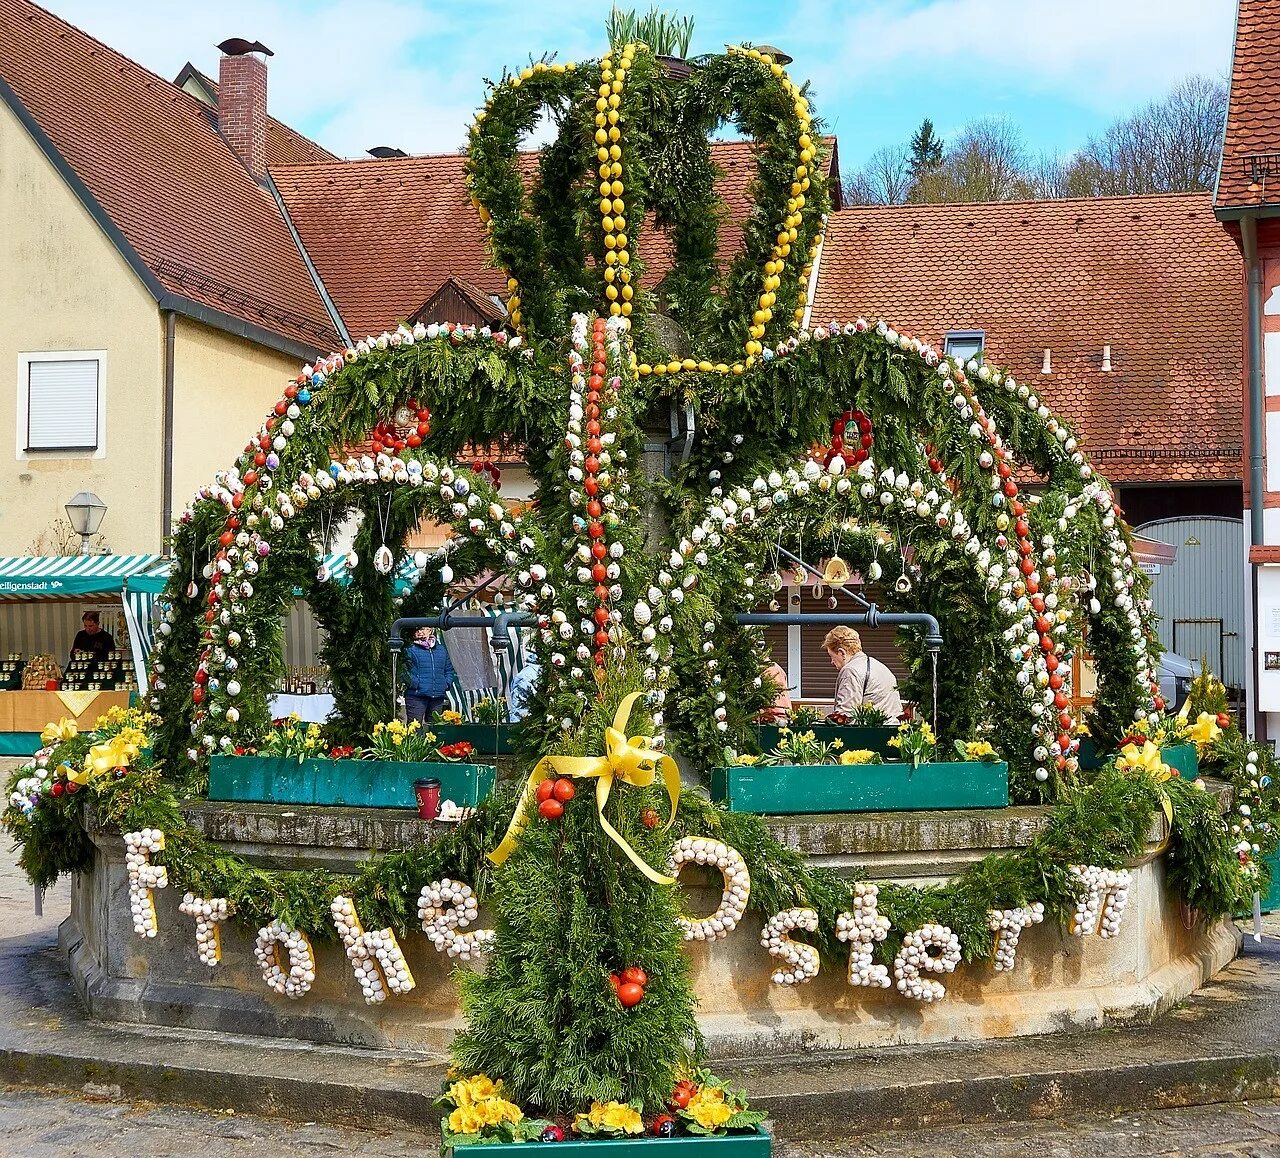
[64, 287]
[223, 388]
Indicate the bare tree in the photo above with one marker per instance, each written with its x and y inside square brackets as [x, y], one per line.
[60, 538]
[884, 180]
[1170, 146]
[988, 161]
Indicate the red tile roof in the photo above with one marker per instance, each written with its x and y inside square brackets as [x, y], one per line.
[385, 234]
[1250, 173]
[285, 146]
[1155, 278]
[149, 155]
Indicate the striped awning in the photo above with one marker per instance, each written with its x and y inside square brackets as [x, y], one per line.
[152, 580]
[68, 576]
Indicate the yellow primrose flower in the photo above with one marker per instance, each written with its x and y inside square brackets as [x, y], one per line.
[857, 756]
[475, 1089]
[495, 1111]
[465, 1120]
[1145, 759]
[746, 760]
[613, 1116]
[1205, 730]
[64, 729]
[707, 1107]
[451, 717]
[979, 750]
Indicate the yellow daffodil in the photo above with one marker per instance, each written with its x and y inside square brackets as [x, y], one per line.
[63, 730]
[1145, 759]
[837, 744]
[894, 742]
[857, 756]
[708, 1108]
[1205, 730]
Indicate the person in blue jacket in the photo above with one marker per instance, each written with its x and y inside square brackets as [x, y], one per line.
[428, 675]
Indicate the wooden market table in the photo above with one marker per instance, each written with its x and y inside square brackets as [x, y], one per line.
[23, 715]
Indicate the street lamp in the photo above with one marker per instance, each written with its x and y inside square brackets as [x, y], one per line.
[86, 512]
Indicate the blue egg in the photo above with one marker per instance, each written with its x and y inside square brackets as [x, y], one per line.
[1265, 782]
[335, 469]
[304, 396]
[316, 379]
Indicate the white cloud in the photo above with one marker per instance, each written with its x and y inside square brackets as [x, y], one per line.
[1108, 54]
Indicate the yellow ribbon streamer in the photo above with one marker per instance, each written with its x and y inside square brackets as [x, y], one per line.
[630, 760]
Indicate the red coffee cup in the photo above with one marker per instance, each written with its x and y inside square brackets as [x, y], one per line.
[428, 794]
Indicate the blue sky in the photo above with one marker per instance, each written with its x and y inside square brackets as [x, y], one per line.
[409, 73]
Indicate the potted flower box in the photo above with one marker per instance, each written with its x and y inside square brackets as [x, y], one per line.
[754, 1144]
[875, 739]
[354, 783]
[804, 788]
[486, 739]
[1182, 758]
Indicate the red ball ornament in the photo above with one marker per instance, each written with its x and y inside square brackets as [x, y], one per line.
[630, 994]
[56, 788]
[563, 790]
[544, 790]
[635, 976]
[599, 573]
[602, 638]
[551, 809]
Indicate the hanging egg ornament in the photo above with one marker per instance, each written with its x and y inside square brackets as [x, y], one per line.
[446, 574]
[383, 560]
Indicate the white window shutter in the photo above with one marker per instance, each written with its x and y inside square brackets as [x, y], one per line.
[62, 405]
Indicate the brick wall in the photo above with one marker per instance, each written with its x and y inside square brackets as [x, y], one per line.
[242, 109]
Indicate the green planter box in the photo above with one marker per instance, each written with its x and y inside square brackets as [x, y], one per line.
[876, 740]
[1181, 758]
[355, 783]
[486, 739]
[794, 788]
[1271, 900]
[755, 1145]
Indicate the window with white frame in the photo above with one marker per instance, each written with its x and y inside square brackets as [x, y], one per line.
[60, 403]
[964, 344]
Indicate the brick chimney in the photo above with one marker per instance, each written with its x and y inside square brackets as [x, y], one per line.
[242, 102]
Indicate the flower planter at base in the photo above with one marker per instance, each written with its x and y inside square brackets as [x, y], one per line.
[355, 783]
[1182, 758]
[801, 788]
[755, 1145]
[875, 740]
[1271, 899]
[486, 739]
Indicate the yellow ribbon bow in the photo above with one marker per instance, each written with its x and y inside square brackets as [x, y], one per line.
[110, 755]
[630, 760]
[64, 729]
[1148, 759]
[1205, 730]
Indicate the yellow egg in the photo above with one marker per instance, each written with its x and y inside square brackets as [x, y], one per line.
[605, 205]
[605, 189]
[673, 367]
[601, 137]
[610, 274]
[614, 133]
[610, 241]
[615, 152]
[602, 155]
[737, 367]
[615, 309]
[688, 364]
[608, 224]
[611, 257]
[623, 257]
[613, 117]
[604, 90]
[618, 205]
[615, 170]
[626, 309]
[512, 284]
[705, 367]
[644, 369]
[776, 69]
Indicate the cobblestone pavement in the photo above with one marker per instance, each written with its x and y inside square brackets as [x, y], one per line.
[41, 1125]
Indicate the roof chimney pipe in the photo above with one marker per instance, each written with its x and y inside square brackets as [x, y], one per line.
[1106, 359]
[1047, 367]
[242, 102]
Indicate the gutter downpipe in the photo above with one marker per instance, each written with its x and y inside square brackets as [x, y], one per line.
[1253, 279]
[1257, 510]
[166, 483]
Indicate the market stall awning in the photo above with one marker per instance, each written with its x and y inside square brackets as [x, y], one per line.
[152, 580]
[68, 576]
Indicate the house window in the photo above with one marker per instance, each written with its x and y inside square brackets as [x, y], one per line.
[964, 344]
[60, 403]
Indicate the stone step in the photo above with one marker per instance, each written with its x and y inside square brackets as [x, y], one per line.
[1220, 1045]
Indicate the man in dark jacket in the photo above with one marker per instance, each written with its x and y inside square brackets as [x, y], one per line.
[428, 674]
